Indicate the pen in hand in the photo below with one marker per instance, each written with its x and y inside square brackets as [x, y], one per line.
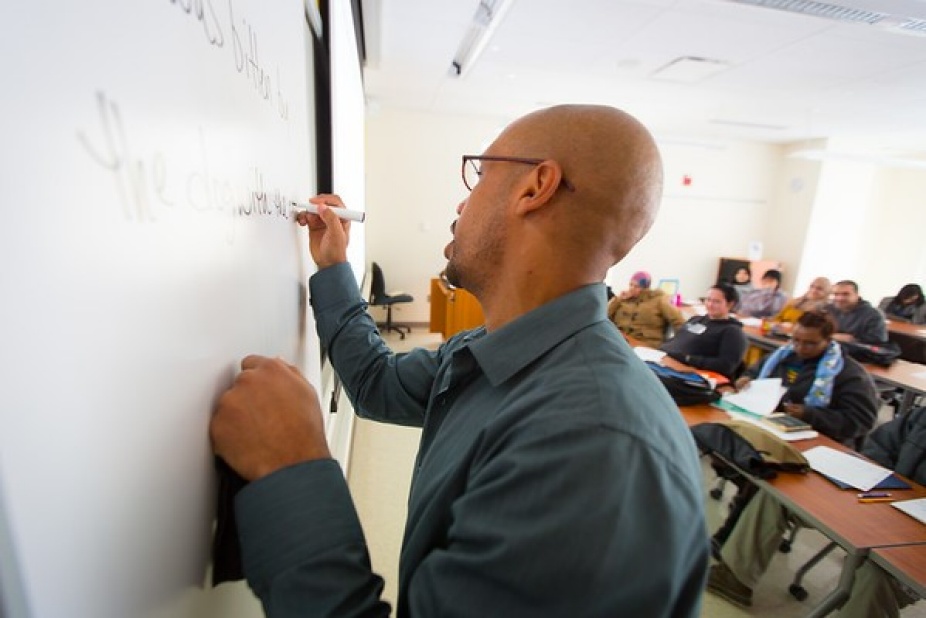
[342, 213]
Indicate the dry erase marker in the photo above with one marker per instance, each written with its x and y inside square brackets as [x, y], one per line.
[870, 500]
[343, 213]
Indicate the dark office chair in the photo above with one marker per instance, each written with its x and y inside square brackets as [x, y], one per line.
[379, 298]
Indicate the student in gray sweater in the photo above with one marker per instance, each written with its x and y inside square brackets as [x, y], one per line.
[856, 319]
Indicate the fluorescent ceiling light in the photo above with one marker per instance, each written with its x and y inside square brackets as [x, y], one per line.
[689, 70]
[900, 24]
[488, 16]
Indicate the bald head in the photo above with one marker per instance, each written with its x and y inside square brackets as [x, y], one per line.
[612, 161]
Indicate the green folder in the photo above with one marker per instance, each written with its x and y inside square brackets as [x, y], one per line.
[723, 404]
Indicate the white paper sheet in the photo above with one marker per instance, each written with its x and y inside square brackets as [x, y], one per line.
[849, 469]
[760, 397]
[913, 508]
[649, 354]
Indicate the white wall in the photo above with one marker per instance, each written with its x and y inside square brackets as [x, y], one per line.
[725, 206]
[839, 220]
[414, 186]
[891, 248]
[866, 224]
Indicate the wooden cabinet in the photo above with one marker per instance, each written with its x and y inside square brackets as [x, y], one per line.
[453, 309]
[728, 267]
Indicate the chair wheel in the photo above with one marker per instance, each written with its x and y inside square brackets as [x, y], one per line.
[785, 546]
[798, 592]
[716, 493]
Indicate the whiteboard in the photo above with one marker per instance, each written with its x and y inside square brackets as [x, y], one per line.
[150, 149]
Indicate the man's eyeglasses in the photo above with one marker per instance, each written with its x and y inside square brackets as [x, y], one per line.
[472, 168]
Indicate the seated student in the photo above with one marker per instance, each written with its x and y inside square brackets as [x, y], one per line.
[742, 281]
[900, 445]
[642, 313]
[826, 388]
[897, 444]
[816, 297]
[907, 306]
[856, 319]
[714, 341]
[764, 301]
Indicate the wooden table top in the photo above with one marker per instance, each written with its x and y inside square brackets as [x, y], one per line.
[906, 563]
[839, 514]
[902, 373]
[905, 328]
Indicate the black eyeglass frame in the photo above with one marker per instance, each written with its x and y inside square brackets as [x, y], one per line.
[471, 159]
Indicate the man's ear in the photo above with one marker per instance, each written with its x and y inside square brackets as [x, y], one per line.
[539, 187]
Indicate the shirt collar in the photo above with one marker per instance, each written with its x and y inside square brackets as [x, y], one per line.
[504, 352]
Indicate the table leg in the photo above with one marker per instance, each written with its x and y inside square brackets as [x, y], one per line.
[837, 597]
[906, 401]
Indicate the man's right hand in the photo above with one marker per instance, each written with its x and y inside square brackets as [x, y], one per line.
[328, 234]
[269, 419]
[742, 383]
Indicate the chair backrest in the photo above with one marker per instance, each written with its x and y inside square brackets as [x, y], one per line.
[377, 285]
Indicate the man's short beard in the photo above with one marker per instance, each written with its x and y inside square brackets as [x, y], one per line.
[452, 275]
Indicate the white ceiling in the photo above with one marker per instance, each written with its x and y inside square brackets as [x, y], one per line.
[790, 77]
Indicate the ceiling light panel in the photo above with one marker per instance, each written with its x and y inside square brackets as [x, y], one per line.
[689, 70]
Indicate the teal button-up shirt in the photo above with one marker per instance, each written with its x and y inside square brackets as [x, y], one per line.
[555, 477]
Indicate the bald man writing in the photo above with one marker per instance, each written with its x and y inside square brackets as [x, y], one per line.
[554, 476]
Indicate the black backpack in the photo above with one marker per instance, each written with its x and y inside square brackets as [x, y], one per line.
[877, 354]
[685, 388]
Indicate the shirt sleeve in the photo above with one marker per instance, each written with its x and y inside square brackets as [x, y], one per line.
[381, 385]
[302, 545]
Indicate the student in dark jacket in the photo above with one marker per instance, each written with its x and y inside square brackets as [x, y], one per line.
[714, 341]
[826, 388]
[856, 319]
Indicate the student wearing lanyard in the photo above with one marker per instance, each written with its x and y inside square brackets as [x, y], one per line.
[714, 341]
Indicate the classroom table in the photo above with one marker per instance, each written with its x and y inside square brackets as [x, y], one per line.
[908, 377]
[910, 337]
[907, 563]
[857, 528]
[917, 331]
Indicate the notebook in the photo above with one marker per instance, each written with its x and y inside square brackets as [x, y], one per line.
[846, 467]
[891, 482]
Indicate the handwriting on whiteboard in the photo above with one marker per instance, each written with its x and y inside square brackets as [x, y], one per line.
[147, 185]
[245, 49]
